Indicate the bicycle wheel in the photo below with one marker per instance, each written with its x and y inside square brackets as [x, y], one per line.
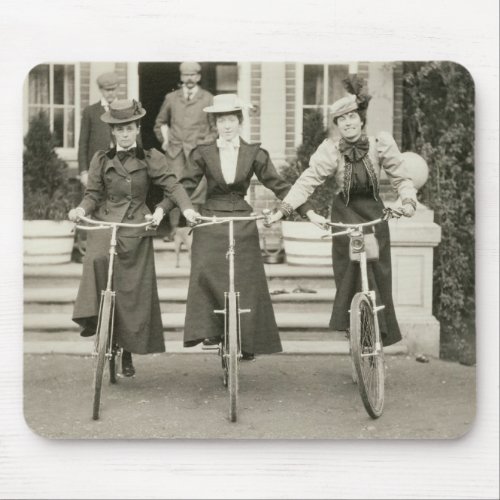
[368, 362]
[232, 359]
[103, 326]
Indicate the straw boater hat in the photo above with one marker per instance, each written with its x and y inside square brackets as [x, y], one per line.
[123, 111]
[226, 103]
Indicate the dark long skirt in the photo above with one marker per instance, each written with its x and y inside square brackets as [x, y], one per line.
[210, 279]
[138, 326]
[363, 208]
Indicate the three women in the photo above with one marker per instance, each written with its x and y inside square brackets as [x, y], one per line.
[228, 165]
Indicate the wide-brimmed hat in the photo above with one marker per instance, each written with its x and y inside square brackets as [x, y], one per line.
[226, 103]
[344, 105]
[190, 67]
[108, 81]
[123, 111]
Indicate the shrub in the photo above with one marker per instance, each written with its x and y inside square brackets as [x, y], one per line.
[439, 125]
[314, 133]
[45, 178]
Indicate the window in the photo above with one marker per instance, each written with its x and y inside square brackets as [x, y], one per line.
[322, 86]
[51, 88]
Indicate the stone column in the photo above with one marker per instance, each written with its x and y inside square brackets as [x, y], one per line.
[412, 247]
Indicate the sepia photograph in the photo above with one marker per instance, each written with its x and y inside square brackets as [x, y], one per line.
[249, 250]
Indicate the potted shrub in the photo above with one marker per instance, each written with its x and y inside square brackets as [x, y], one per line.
[302, 240]
[48, 237]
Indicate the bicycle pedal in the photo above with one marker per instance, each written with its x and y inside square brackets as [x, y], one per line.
[209, 348]
[241, 311]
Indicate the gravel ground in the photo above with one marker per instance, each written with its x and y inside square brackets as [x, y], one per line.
[281, 396]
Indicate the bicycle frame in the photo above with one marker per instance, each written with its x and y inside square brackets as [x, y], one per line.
[358, 230]
[364, 336]
[230, 351]
[104, 340]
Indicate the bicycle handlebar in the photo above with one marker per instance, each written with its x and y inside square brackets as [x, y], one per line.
[388, 213]
[222, 220]
[100, 224]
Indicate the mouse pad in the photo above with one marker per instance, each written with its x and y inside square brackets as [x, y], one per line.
[150, 312]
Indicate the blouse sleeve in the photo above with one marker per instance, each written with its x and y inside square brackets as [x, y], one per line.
[161, 175]
[323, 163]
[94, 192]
[396, 170]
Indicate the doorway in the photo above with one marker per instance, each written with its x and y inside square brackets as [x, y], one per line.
[157, 79]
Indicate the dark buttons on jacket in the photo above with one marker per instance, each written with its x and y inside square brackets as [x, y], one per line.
[129, 197]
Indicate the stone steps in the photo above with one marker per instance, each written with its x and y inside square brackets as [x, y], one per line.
[48, 322]
[173, 300]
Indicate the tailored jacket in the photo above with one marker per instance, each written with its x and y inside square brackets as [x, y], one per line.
[188, 123]
[117, 192]
[95, 135]
[329, 161]
[252, 159]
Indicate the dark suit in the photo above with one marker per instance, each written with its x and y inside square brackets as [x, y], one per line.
[188, 123]
[95, 135]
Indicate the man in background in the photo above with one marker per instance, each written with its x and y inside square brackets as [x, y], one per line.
[95, 135]
[181, 125]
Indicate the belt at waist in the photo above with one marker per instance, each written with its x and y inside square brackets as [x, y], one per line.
[226, 196]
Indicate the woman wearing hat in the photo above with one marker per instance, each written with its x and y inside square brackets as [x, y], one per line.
[229, 164]
[116, 191]
[356, 161]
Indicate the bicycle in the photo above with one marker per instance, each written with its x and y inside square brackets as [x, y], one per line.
[104, 347]
[365, 344]
[230, 348]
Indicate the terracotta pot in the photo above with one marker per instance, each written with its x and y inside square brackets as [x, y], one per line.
[47, 241]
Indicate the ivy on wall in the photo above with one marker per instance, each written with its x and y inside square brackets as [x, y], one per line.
[438, 123]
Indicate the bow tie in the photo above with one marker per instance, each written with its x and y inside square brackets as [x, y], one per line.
[123, 154]
[354, 151]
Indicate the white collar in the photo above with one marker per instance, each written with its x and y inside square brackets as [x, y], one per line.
[104, 103]
[193, 91]
[234, 142]
[119, 148]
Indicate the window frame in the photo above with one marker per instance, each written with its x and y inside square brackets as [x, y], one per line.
[67, 153]
[299, 94]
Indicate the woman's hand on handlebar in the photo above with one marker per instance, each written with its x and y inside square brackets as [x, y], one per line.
[156, 217]
[408, 208]
[192, 216]
[75, 213]
[272, 218]
[316, 219]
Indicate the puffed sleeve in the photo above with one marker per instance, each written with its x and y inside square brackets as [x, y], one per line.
[392, 162]
[161, 175]
[269, 177]
[323, 163]
[94, 192]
